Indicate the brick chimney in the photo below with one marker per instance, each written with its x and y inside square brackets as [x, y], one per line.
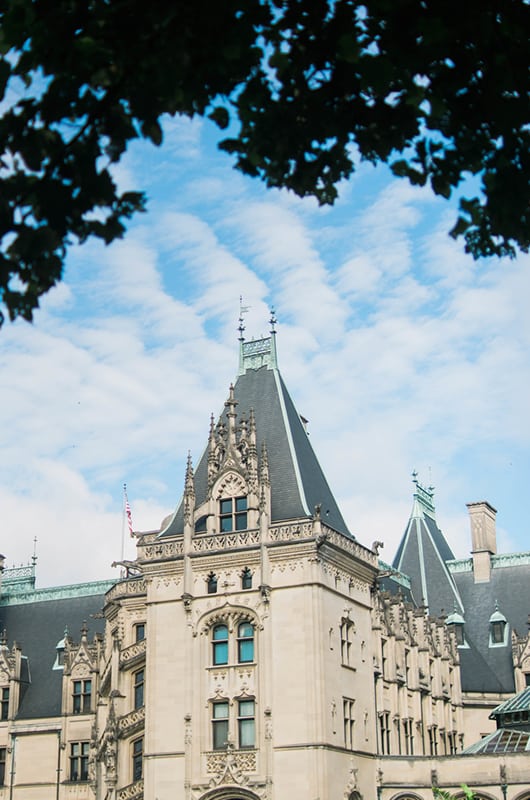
[483, 539]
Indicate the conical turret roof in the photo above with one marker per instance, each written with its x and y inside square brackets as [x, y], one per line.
[297, 481]
[422, 555]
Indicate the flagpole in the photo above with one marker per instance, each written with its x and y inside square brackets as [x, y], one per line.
[123, 523]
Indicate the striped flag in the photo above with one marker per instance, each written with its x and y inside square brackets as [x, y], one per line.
[127, 509]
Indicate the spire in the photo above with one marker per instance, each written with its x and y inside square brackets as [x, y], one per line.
[189, 491]
[260, 410]
[231, 415]
[423, 554]
[423, 498]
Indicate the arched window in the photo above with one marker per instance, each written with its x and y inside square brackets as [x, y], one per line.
[220, 644]
[212, 583]
[245, 643]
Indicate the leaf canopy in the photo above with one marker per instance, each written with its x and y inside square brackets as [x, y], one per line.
[306, 89]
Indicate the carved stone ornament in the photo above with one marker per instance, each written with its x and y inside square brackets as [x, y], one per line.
[232, 485]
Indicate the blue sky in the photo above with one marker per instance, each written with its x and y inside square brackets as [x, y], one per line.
[401, 351]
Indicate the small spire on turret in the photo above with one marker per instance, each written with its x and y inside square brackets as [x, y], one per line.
[264, 468]
[231, 414]
[189, 490]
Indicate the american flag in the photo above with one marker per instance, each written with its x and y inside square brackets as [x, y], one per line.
[127, 509]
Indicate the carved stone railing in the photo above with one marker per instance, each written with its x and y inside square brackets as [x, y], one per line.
[239, 761]
[134, 791]
[130, 655]
[132, 721]
[350, 545]
[291, 532]
[127, 588]
[158, 550]
[155, 550]
[225, 541]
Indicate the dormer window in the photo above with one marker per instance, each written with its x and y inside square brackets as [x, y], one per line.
[455, 622]
[498, 629]
[233, 514]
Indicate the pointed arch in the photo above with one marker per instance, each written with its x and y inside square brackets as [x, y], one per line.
[407, 796]
[229, 793]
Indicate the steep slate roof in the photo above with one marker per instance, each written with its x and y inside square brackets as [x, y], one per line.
[484, 667]
[37, 622]
[297, 481]
[422, 554]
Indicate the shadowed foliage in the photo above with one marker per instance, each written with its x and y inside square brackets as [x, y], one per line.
[305, 90]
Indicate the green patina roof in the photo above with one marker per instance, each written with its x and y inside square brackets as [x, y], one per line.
[520, 702]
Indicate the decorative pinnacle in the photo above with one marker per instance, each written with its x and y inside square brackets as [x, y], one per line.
[273, 321]
[242, 310]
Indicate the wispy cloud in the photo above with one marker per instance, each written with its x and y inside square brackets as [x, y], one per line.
[400, 350]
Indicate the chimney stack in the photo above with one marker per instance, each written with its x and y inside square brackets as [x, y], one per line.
[483, 539]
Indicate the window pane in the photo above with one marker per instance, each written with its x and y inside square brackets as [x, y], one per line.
[220, 632]
[140, 632]
[220, 710]
[246, 708]
[137, 759]
[241, 503]
[246, 631]
[226, 524]
[246, 733]
[246, 579]
[245, 644]
[220, 725]
[220, 734]
[220, 653]
[246, 723]
[241, 522]
[246, 650]
[226, 506]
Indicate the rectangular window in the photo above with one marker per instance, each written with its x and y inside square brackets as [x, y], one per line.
[245, 643]
[241, 513]
[82, 697]
[220, 645]
[3, 752]
[79, 761]
[233, 514]
[4, 704]
[225, 515]
[138, 688]
[384, 729]
[433, 741]
[346, 642]
[139, 632]
[220, 725]
[384, 668]
[137, 759]
[246, 723]
[409, 737]
[349, 722]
